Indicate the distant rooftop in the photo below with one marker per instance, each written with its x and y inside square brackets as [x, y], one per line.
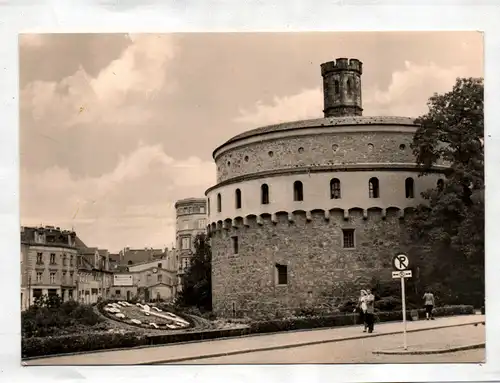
[187, 201]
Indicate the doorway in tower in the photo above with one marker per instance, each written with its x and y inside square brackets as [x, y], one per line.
[146, 295]
[128, 296]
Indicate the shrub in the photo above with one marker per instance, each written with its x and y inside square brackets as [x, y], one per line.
[32, 347]
[43, 320]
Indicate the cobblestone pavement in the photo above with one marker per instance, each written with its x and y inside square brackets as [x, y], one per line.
[195, 350]
[360, 350]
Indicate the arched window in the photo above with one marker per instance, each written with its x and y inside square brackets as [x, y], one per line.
[298, 191]
[409, 188]
[335, 189]
[374, 188]
[337, 86]
[264, 194]
[208, 206]
[440, 185]
[349, 86]
[219, 203]
[237, 195]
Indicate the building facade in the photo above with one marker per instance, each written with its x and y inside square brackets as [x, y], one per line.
[48, 264]
[152, 280]
[191, 220]
[95, 277]
[305, 213]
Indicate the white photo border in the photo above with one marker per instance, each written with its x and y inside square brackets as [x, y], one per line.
[278, 15]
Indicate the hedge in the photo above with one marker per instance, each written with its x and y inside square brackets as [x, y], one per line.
[51, 345]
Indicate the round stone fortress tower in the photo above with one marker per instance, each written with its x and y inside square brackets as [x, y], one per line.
[305, 213]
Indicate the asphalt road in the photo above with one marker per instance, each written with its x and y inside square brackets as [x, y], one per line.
[330, 345]
[360, 350]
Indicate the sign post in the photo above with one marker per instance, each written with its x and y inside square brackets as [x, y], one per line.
[400, 263]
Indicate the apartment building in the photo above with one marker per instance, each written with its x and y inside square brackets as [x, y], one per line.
[48, 263]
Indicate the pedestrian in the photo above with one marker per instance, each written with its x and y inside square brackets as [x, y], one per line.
[429, 304]
[370, 310]
[361, 308]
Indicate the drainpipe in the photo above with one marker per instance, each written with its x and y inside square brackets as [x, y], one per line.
[29, 291]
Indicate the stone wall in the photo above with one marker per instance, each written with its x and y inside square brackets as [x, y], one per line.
[316, 150]
[320, 270]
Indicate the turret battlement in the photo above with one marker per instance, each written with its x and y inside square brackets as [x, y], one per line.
[342, 64]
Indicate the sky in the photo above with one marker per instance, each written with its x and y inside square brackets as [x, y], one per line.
[114, 128]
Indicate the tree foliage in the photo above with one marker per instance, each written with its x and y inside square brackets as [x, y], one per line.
[197, 281]
[448, 229]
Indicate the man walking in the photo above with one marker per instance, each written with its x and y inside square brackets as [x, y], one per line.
[370, 310]
[429, 304]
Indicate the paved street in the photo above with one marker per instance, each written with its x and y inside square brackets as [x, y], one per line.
[360, 351]
[347, 344]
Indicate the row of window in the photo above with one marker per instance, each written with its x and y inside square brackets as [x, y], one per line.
[192, 210]
[201, 223]
[300, 150]
[335, 192]
[52, 277]
[347, 241]
[39, 259]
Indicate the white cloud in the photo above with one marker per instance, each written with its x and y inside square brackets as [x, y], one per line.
[410, 89]
[137, 197]
[304, 105]
[140, 71]
[406, 95]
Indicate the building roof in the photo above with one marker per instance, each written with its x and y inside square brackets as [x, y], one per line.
[54, 236]
[140, 255]
[319, 123]
[79, 243]
[188, 201]
[87, 250]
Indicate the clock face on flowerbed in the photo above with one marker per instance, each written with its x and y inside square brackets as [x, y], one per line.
[145, 316]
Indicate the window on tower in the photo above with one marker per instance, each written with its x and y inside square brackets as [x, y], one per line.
[237, 196]
[282, 274]
[337, 86]
[298, 191]
[264, 192]
[335, 188]
[349, 86]
[373, 187]
[219, 203]
[409, 187]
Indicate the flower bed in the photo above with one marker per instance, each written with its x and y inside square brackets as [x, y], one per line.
[144, 316]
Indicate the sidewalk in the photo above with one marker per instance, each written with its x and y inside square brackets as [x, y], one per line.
[197, 350]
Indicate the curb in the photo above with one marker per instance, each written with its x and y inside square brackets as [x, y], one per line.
[436, 351]
[286, 346]
[25, 361]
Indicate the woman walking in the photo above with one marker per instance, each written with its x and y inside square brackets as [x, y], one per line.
[370, 311]
[362, 309]
[429, 304]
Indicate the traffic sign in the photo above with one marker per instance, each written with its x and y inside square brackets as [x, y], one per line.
[400, 262]
[401, 274]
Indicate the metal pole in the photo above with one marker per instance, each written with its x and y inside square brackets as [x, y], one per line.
[404, 310]
[29, 291]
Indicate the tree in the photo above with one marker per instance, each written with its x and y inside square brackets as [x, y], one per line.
[449, 229]
[197, 281]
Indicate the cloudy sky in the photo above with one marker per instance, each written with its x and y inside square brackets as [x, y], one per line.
[115, 128]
